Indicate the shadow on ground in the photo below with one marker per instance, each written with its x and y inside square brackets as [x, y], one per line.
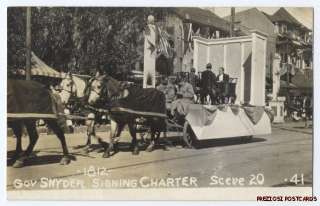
[34, 159]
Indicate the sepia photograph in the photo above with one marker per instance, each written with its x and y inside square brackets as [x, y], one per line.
[159, 103]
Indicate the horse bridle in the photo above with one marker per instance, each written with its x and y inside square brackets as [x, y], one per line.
[94, 90]
[71, 92]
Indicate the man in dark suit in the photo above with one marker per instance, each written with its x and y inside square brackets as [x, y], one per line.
[208, 85]
[223, 86]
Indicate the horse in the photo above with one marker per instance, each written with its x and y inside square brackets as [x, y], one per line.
[74, 87]
[122, 102]
[19, 115]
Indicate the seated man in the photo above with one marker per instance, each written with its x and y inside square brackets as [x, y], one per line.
[162, 86]
[171, 91]
[223, 86]
[183, 100]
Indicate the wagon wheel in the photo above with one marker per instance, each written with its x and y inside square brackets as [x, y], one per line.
[188, 136]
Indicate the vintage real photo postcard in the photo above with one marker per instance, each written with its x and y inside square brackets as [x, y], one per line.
[160, 103]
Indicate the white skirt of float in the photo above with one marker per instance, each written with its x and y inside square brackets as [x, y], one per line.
[263, 127]
[226, 124]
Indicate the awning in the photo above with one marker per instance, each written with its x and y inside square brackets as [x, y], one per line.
[39, 68]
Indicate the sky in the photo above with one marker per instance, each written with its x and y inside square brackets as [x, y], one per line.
[303, 14]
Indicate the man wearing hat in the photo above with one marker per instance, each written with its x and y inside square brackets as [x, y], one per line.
[223, 86]
[193, 78]
[208, 85]
[184, 98]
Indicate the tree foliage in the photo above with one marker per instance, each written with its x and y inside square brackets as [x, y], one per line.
[80, 39]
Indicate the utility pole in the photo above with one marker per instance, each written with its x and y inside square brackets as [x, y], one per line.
[287, 63]
[28, 44]
[232, 21]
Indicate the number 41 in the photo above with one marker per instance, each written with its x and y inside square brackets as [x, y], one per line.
[295, 179]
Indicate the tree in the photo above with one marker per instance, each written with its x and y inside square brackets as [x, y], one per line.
[81, 39]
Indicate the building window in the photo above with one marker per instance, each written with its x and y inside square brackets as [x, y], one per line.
[276, 28]
[284, 28]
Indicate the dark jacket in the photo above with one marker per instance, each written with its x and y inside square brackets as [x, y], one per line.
[223, 86]
[208, 80]
[193, 80]
[225, 78]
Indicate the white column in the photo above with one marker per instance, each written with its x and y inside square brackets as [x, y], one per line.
[253, 67]
[195, 55]
[225, 57]
[264, 73]
[208, 53]
[150, 50]
[275, 76]
[241, 80]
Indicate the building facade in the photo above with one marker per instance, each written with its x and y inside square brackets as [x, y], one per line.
[184, 23]
[294, 41]
[253, 19]
[287, 38]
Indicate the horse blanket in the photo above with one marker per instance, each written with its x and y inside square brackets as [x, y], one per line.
[30, 99]
[142, 102]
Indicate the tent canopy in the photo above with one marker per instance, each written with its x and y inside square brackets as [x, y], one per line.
[39, 68]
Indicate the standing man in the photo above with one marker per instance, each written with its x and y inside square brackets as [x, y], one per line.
[307, 109]
[208, 85]
[193, 80]
[223, 86]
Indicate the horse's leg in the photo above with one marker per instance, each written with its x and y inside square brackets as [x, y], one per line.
[112, 143]
[151, 146]
[165, 137]
[33, 137]
[53, 124]
[88, 143]
[90, 131]
[134, 143]
[17, 130]
[164, 146]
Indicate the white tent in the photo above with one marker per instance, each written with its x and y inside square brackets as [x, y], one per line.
[39, 68]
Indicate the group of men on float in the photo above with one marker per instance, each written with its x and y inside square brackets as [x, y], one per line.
[186, 89]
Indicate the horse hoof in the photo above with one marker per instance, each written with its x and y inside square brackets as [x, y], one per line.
[32, 155]
[65, 160]
[14, 158]
[106, 155]
[135, 151]
[150, 148]
[85, 151]
[99, 150]
[165, 148]
[18, 164]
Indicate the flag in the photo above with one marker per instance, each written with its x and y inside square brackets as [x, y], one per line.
[163, 45]
[189, 40]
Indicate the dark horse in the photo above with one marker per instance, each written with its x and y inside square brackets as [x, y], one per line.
[29, 101]
[128, 105]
